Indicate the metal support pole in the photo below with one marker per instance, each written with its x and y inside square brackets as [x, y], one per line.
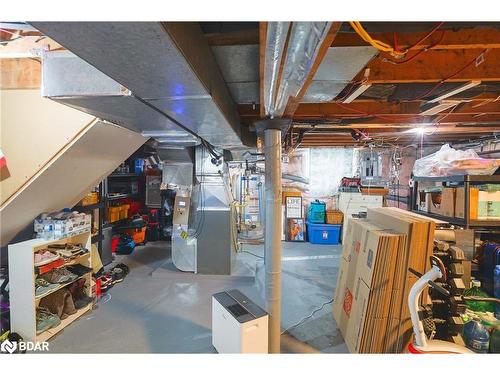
[272, 145]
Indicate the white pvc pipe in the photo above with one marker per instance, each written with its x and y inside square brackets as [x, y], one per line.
[272, 244]
[413, 303]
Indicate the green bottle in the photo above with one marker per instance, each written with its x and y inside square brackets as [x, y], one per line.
[477, 292]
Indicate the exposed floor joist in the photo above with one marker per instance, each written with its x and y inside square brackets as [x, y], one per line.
[451, 39]
[436, 66]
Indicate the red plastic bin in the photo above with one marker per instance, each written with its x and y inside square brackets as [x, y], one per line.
[134, 208]
[114, 243]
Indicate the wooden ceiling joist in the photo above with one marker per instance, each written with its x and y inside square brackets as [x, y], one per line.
[479, 38]
[374, 108]
[383, 112]
[438, 65]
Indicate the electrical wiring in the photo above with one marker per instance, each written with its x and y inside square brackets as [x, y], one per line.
[308, 317]
[205, 143]
[430, 91]
[392, 50]
[400, 62]
[381, 46]
[10, 40]
[372, 115]
[436, 28]
[349, 91]
[8, 32]
[201, 203]
[436, 123]
[249, 252]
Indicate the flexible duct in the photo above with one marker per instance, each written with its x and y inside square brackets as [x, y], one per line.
[304, 43]
[275, 45]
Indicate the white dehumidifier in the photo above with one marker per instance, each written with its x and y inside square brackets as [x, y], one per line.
[238, 324]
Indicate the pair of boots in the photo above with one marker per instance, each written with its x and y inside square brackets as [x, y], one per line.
[59, 303]
[78, 292]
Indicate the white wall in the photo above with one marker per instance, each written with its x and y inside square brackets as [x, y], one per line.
[33, 131]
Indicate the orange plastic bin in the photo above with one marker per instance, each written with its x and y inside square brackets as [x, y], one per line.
[138, 234]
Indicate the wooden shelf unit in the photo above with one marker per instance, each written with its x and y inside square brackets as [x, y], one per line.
[23, 302]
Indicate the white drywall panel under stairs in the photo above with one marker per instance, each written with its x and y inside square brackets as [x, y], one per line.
[33, 131]
[79, 166]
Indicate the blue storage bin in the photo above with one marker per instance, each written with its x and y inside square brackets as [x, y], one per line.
[323, 234]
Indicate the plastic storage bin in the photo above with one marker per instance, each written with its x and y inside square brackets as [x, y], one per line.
[138, 234]
[124, 211]
[334, 217]
[317, 212]
[90, 198]
[323, 234]
[113, 214]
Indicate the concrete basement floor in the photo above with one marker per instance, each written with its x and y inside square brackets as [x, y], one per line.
[157, 309]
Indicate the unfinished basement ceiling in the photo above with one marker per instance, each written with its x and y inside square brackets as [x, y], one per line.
[338, 68]
[168, 65]
[409, 91]
[440, 60]
[239, 65]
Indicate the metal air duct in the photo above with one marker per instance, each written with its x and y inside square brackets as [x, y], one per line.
[148, 69]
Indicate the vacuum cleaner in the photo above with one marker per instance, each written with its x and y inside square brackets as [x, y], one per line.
[420, 344]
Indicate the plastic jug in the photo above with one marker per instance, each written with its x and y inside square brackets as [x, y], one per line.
[477, 292]
[476, 337]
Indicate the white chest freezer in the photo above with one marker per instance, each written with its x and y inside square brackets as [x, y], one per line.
[238, 324]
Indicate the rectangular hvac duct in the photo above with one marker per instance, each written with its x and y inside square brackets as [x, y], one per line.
[166, 64]
[338, 68]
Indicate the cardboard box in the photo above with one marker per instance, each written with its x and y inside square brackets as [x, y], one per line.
[371, 298]
[473, 202]
[488, 205]
[364, 287]
[446, 207]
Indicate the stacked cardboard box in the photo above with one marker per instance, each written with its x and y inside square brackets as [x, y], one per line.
[371, 307]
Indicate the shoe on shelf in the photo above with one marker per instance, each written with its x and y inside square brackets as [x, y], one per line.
[59, 276]
[42, 286]
[45, 257]
[79, 269]
[45, 320]
[65, 272]
[68, 250]
[83, 302]
[69, 307]
[64, 253]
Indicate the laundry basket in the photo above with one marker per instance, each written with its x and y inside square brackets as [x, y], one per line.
[334, 217]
